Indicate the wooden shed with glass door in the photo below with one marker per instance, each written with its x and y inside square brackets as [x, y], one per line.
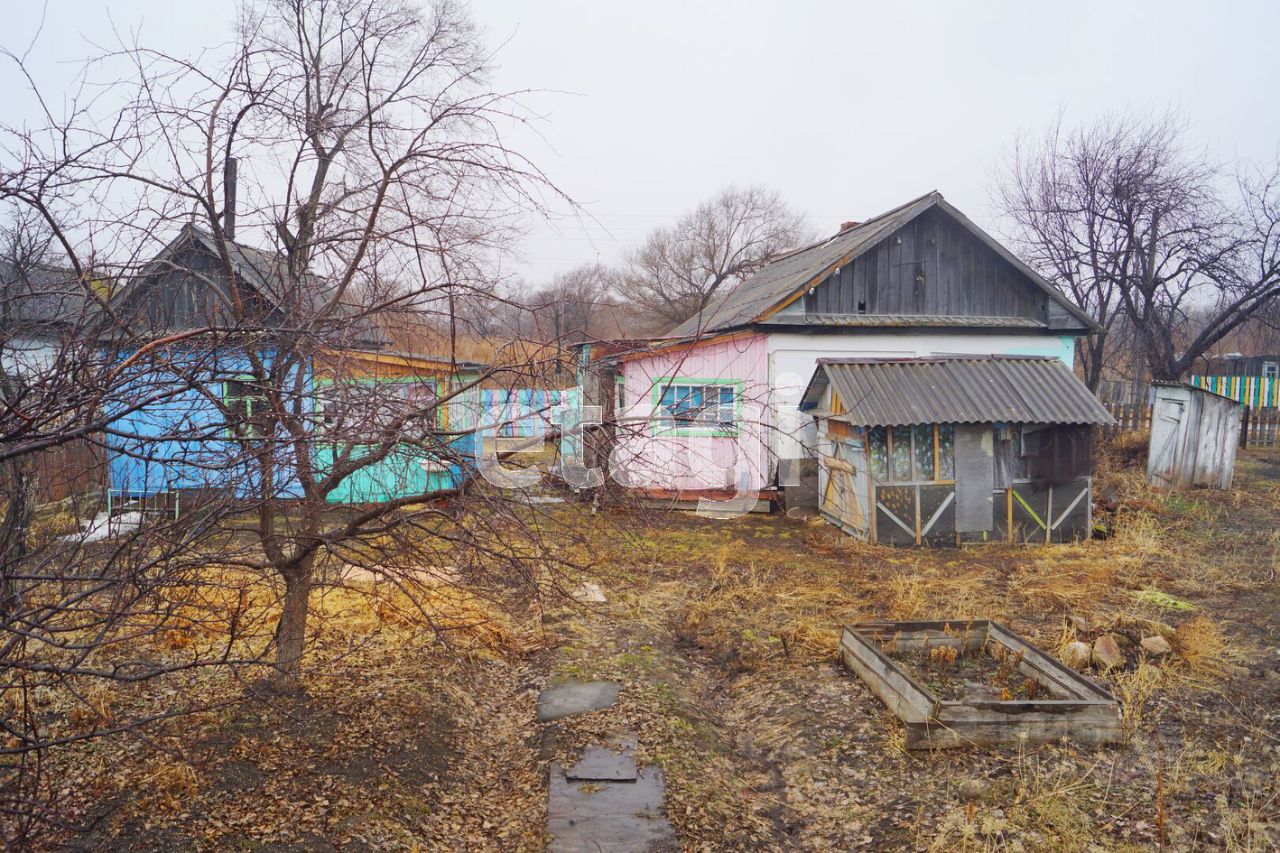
[945, 450]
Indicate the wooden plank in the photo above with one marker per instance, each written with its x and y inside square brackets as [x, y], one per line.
[1090, 715]
[1060, 673]
[904, 697]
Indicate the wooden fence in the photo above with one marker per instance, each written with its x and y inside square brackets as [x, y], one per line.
[1258, 427]
[76, 468]
[1130, 417]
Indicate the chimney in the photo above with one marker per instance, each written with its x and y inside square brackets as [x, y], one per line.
[845, 226]
[229, 199]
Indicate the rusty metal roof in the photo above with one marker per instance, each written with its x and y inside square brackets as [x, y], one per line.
[781, 279]
[956, 389]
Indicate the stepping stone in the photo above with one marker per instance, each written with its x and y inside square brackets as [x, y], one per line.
[576, 697]
[599, 817]
[589, 593]
[613, 761]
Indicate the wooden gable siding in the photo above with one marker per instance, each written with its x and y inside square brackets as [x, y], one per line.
[930, 266]
[180, 297]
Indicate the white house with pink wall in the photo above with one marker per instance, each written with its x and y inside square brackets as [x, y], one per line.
[712, 408]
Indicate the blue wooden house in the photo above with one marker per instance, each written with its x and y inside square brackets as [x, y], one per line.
[202, 355]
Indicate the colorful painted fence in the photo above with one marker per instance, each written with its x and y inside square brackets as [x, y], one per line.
[1256, 392]
[523, 412]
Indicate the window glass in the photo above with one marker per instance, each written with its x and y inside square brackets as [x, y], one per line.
[946, 452]
[901, 461]
[878, 453]
[922, 436]
[246, 406]
[687, 405]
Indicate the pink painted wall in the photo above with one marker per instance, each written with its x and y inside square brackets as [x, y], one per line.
[683, 462]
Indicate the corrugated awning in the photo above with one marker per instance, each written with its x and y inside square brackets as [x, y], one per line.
[960, 389]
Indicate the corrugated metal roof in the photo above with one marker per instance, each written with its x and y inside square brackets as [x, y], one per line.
[784, 277]
[918, 320]
[958, 389]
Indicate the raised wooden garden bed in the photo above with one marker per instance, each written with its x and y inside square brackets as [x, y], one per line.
[1065, 703]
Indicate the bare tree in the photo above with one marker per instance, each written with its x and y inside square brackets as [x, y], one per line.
[1139, 231]
[358, 143]
[676, 271]
[571, 305]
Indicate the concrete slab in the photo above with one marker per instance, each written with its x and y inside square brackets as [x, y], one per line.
[609, 817]
[612, 761]
[576, 697]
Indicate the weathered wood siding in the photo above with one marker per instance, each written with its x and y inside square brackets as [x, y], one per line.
[930, 266]
[1194, 435]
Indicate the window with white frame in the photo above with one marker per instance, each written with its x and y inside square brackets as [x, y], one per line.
[698, 405]
[1270, 370]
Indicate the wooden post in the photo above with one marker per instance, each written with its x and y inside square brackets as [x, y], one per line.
[1244, 429]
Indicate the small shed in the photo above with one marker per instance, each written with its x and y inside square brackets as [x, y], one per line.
[1194, 435]
[938, 451]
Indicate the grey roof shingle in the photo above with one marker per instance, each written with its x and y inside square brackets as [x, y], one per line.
[41, 301]
[789, 274]
[955, 389]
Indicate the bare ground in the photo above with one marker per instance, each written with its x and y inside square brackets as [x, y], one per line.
[723, 634]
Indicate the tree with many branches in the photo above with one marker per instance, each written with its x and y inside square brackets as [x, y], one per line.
[240, 230]
[675, 272]
[1150, 238]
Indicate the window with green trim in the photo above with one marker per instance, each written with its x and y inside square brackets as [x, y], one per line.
[246, 406]
[706, 406]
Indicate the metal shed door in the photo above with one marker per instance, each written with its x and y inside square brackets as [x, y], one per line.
[975, 477]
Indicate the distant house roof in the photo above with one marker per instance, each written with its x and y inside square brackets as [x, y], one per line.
[780, 281]
[260, 271]
[44, 300]
[957, 389]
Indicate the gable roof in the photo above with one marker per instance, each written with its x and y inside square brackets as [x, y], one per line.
[954, 389]
[783, 279]
[260, 271]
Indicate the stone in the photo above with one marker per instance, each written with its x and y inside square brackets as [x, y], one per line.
[589, 593]
[1106, 652]
[1079, 624]
[612, 761]
[593, 817]
[1156, 646]
[576, 697]
[1077, 655]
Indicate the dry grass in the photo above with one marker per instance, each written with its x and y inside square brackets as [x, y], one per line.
[755, 615]
[1202, 646]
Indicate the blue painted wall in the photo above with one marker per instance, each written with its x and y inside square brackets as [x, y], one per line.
[181, 441]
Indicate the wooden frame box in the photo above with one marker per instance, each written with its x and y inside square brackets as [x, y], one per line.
[1080, 708]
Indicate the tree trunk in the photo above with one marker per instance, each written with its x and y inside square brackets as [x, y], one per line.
[291, 632]
[20, 497]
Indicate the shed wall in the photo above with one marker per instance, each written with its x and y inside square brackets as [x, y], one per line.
[1194, 436]
[793, 358]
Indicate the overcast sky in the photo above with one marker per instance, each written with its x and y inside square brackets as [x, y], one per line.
[847, 108]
